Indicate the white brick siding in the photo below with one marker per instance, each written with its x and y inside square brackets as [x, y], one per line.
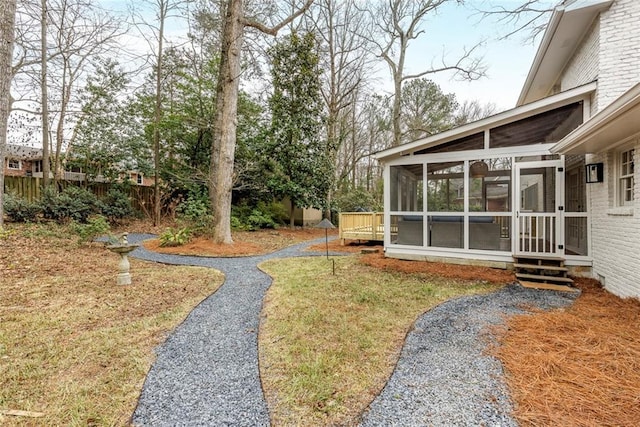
[610, 53]
[619, 50]
[583, 66]
[615, 231]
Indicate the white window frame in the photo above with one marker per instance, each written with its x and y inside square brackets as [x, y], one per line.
[624, 179]
[9, 161]
[139, 179]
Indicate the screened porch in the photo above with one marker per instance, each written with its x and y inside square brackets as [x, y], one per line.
[492, 191]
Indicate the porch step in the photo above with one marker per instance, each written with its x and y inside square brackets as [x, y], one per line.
[542, 272]
[540, 267]
[548, 286]
[544, 278]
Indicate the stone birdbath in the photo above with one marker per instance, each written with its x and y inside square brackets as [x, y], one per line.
[122, 247]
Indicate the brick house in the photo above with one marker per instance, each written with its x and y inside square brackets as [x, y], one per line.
[553, 178]
[27, 161]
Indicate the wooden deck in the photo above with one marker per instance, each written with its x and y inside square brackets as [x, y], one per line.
[361, 226]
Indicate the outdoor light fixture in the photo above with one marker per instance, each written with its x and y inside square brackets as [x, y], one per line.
[594, 173]
[478, 169]
[326, 224]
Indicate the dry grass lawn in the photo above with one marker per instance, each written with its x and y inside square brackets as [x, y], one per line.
[329, 343]
[74, 345]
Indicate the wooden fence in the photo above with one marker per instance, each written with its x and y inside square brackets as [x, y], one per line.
[30, 188]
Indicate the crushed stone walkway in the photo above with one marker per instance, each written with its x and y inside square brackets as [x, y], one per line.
[444, 376]
[206, 373]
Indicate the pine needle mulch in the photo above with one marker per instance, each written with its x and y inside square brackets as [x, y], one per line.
[575, 367]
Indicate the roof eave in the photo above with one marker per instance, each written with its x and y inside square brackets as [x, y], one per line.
[517, 113]
[613, 125]
[567, 28]
[552, 26]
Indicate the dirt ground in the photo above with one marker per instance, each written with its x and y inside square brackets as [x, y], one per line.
[579, 366]
[246, 243]
[452, 271]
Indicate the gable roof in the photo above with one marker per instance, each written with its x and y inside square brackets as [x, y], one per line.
[567, 27]
[552, 102]
[613, 125]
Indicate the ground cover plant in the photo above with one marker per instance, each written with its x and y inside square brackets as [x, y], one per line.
[74, 346]
[576, 367]
[329, 342]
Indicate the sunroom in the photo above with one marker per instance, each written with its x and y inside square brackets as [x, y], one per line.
[491, 190]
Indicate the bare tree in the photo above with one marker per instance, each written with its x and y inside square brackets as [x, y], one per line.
[7, 20]
[44, 95]
[395, 23]
[164, 9]
[470, 111]
[529, 16]
[225, 123]
[346, 60]
[72, 33]
[81, 32]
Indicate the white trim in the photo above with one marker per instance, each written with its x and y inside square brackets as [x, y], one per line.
[564, 98]
[619, 198]
[541, 53]
[565, 31]
[469, 254]
[613, 125]
[387, 202]
[522, 150]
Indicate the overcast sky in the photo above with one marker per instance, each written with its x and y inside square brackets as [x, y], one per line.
[507, 61]
[448, 32]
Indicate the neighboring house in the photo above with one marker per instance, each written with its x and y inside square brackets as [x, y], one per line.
[27, 161]
[553, 177]
[22, 160]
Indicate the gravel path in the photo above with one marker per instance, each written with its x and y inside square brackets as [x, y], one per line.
[206, 373]
[443, 377]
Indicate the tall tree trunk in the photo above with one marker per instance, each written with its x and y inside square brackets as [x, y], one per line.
[58, 170]
[7, 34]
[46, 165]
[226, 117]
[224, 145]
[157, 116]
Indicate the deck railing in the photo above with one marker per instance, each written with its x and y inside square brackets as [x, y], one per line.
[361, 226]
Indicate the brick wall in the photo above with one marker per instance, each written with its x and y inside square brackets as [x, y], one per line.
[610, 53]
[615, 231]
[619, 56]
[583, 67]
[25, 165]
